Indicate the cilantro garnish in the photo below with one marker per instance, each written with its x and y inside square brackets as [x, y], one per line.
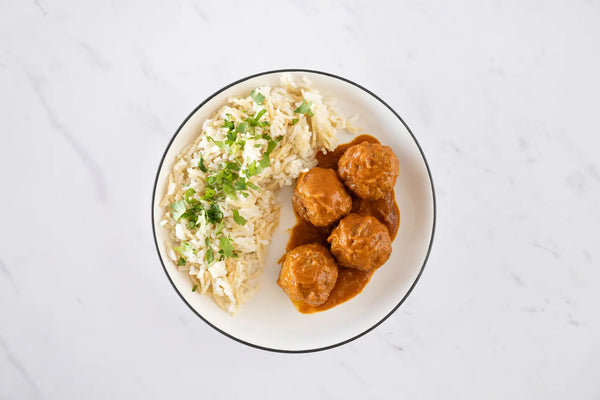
[201, 164]
[178, 209]
[185, 247]
[209, 252]
[257, 97]
[194, 288]
[304, 108]
[242, 127]
[214, 214]
[238, 218]
[188, 194]
[220, 227]
[226, 247]
[294, 121]
[227, 180]
[209, 194]
[219, 143]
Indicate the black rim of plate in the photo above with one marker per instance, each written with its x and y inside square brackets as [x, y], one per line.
[432, 227]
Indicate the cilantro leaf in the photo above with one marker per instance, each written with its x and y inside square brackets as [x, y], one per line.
[231, 137]
[294, 121]
[260, 114]
[194, 288]
[229, 190]
[214, 214]
[185, 247]
[253, 169]
[226, 247]
[240, 183]
[242, 127]
[304, 108]
[265, 161]
[271, 146]
[238, 218]
[219, 143]
[228, 123]
[220, 227]
[181, 262]
[234, 166]
[201, 164]
[209, 252]
[178, 209]
[188, 194]
[209, 193]
[257, 97]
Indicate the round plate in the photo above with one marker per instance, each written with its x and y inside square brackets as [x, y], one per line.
[269, 320]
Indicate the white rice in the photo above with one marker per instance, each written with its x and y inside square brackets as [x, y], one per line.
[232, 281]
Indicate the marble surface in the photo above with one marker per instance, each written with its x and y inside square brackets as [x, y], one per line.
[503, 97]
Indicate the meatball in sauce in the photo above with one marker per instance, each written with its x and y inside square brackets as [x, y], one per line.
[320, 197]
[308, 274]
[369, 170]
[361, 242]
[350, 281]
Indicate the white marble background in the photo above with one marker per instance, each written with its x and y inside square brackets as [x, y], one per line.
[503, 96]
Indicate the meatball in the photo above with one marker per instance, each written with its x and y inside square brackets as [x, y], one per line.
[369, 170]
[308, 274]
[320, 197]
[361, 242]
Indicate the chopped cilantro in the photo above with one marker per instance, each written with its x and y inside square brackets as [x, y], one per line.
[209, 252]
[294, 121]
[238, 218]
[209, 194]
[178, 209]
[304, 108]
[231, 137]
[240, 183]
[219, 143]
[257, 97]
[191, 214]
[260, 114]
[234, 166]
[201, 164]
[253, 169]
[181, 262]
[229, 190]
[220, 227]
[252, 185]
[185, 247]
[187, 196]
[194, 288]
[271, 146]
[214, 214]
[265, 160]
[226, 247]
[228, 123]
[242, 127]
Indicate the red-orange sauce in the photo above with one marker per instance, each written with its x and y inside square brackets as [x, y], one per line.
[350, 281]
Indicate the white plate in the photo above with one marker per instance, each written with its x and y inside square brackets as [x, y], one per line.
[269, 320]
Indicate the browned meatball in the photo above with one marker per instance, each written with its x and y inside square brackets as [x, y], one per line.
[361, 242]
[369, 170]
[308, 274]
[320, 197]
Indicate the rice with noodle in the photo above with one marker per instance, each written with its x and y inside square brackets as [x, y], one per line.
[220, 206]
